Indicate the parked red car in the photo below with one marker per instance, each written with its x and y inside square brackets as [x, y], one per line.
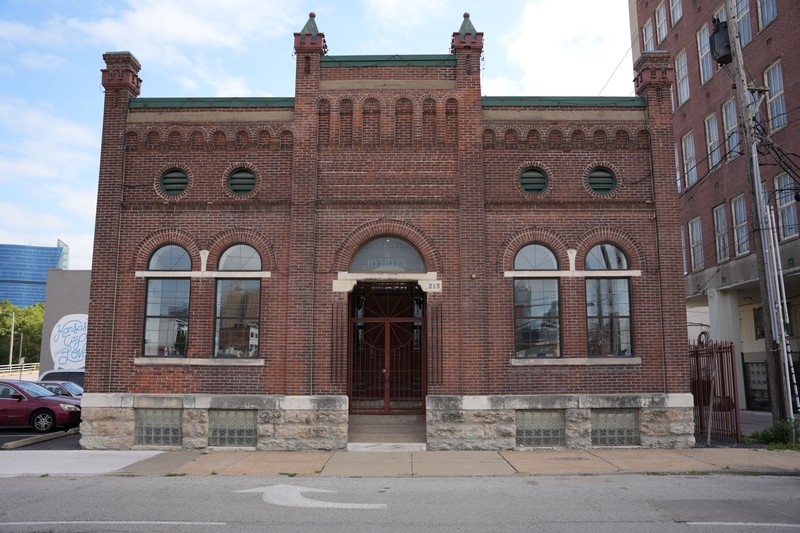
[23, 403]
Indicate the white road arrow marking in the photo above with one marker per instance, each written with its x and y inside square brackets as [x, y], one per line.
[291, 496]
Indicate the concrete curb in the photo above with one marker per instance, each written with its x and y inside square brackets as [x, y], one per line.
[39, 438]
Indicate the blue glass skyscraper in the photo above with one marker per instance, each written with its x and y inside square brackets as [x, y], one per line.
[23, 271]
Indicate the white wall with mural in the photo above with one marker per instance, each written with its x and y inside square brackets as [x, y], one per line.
[68, 341]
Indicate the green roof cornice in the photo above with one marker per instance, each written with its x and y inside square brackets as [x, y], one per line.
[161, 103]
[563, 101]
[437, 60]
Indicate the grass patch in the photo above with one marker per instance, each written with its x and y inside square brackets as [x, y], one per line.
[288, 474]
[778, 437]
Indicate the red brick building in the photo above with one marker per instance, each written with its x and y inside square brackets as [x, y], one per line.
[715, 203]
[388, 241]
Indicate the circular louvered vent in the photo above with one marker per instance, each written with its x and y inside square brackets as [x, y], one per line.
[602, 180]
[242, 181]
[174, 181]
[533, 180]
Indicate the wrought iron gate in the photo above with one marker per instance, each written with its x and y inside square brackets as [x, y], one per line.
[387, 349]
[716, 401]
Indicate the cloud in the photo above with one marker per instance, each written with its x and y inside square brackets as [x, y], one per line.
[403, 13]
[587, 58]
[38, 61]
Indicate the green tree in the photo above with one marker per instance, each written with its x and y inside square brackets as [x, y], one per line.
[28, 323]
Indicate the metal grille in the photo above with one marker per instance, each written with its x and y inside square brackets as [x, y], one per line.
[227, 427]
[615, 427]
[161, 427]
[538, 428]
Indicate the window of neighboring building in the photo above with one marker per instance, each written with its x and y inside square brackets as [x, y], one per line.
[696, 243]
[776, 104]
[787, 207]
[767, 11]
[743, 16]
[758, 323]
[683, 251]
[608, 307]
[238, 306]
[647, 35]
[712, 141]
[741, 243]
[166, 325]
[682, 77]
[678, 168]
[730, 122]
[721, 233]
[661, 22]
[689, 160]
[537, 330]
[704, 54]
[675, 11]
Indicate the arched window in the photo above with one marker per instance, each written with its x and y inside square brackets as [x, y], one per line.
[388, 254]
[537, 324]
[238, 306]
[166, 329]
[608, 304]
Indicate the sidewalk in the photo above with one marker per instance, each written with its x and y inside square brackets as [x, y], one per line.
[400, 464]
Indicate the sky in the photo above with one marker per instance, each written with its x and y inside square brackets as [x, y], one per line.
[51, 99]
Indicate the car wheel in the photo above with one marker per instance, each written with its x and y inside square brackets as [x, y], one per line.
[43, 421]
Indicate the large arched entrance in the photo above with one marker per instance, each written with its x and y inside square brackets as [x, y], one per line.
[387, 331]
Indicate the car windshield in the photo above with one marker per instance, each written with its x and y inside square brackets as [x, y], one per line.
[32, 389]
[74, 388]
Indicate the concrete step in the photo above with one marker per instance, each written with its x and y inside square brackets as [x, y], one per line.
[386, 447]
[386, 429]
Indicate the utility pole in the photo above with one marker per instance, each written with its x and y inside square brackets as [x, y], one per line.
[747, 114]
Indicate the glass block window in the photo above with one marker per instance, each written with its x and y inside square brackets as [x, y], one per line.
[647, 35]
[228, 427]
[174, 181]
[661, 22]
[540, 428]
[533, 180]
[158, 427]
[721, 233]
[767, 11]
[682, 77]
[242, 181]
[704, 53]
[615, 427]
[713, 146]
[787, 206]
[696, 243]
[741, 243]
[730, 121]
[776, 103]
[675, 10]
[689, 159]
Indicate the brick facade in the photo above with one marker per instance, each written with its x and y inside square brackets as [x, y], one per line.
[383, 147]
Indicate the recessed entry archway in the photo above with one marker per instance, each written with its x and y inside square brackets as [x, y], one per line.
[387, 282]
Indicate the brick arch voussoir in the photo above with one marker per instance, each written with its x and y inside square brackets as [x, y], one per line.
[231, 236]
[633, 250]
[532, 235]
[387, 228]
[147, 247]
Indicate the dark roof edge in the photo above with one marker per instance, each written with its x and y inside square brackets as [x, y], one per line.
[563, 101]
[162, 103]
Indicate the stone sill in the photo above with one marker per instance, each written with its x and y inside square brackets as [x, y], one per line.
[195, 361]
[577, 361]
